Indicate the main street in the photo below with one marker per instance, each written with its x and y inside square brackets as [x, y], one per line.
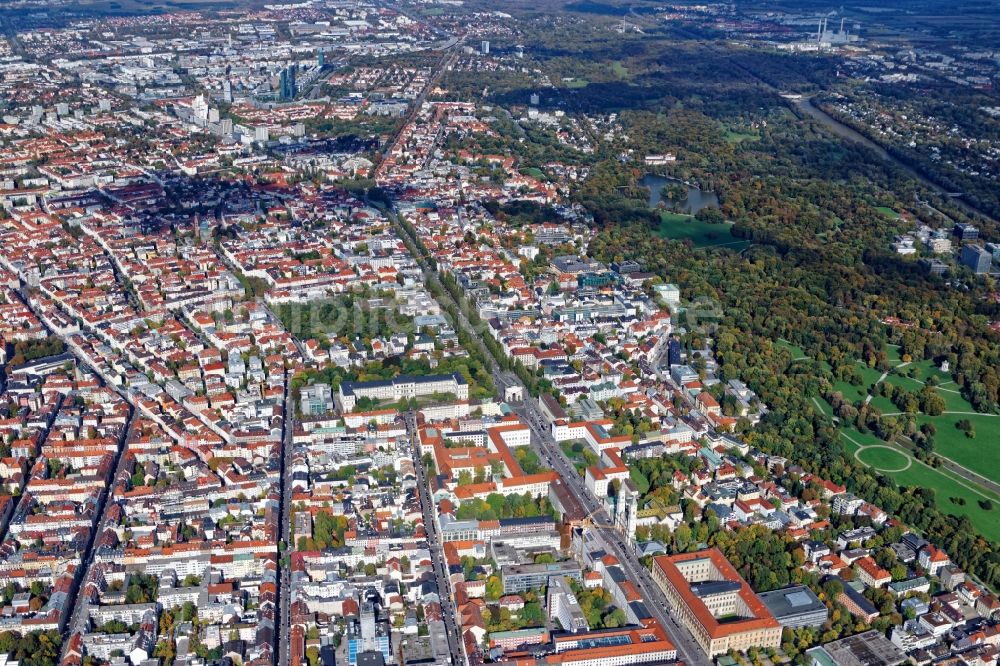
[611, 541]
[285, 530]
[687, 649]
[448, 611]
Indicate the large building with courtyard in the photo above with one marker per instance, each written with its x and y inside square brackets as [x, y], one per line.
[712, 600]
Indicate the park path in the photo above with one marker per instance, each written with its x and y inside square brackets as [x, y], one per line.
[945, 462]
[881, 379]
[964, 473]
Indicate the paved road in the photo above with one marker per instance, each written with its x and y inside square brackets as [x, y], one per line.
[447, 60]
[611, 541]
[455, 644]
[687, 649]
[285, 530]
[79, 617]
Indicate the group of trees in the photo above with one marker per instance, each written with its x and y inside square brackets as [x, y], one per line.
[497, 506]
[344, 318]
[35, 648]
[927, 400]
[767, 293]
[142, 589]
[580, 454]
[820, 271]
[328, 532]
[528, 460]
[598, 607]
[502, 619]
[943, 156]
[659, 472]
[631, 422]
[23, 351]
[471, 369]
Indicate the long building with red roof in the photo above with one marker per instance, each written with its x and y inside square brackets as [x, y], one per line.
[713, 601]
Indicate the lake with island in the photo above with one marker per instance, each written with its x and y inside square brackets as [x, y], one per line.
[695, 200]
[677, 221]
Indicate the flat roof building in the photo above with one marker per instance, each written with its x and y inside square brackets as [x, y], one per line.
[870, 648]
[403, 386]
[795, 607]
[709, 596]
[977, 259]
[563, 606]
[612, 647]
[521, 577]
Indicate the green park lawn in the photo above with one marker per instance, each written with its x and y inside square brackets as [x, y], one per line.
[580, 456]
[978, 454]
[892, 353]
[794, 351]
[888, 212]
[950, 442]
[884, 405]
[855, 392]
[952, 495]
[680, 227]
[639, 479]
[884, 458]
[732, 136]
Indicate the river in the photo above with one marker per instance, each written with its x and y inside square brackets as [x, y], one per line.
[695, 200]
[806, 107]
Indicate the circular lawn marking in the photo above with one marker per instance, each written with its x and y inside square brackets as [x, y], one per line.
[884, 458]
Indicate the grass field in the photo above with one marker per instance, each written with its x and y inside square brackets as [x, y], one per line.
[855, 392]
[978, 454]
[677, 226]
[581, 457]
[892, 353]
[884, 405]
[731, 136]
[576, 83]
[795, 351]
[639, 479]
[950, 442]
[618, 69]
[888, 212]
[884, 458]
[953, 495]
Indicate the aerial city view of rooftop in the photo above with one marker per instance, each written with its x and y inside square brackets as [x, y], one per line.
[465, 332]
